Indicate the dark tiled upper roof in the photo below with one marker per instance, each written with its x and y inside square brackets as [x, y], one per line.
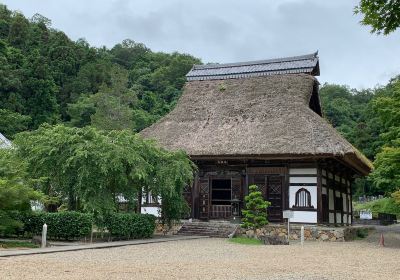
[308, 64]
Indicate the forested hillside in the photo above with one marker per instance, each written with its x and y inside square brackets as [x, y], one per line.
[369, 119]
[45, 77]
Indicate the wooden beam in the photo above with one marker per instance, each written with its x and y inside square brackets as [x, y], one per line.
[319, 195]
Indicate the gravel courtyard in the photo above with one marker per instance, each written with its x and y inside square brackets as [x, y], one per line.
[212, 259]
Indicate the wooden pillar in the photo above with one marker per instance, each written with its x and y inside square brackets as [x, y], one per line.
[341, 199]
[334, 195]
[351, 199]
[319, 195]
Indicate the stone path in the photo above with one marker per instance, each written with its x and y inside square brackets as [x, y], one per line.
[390, 233]
[103, 245]
[211, 258]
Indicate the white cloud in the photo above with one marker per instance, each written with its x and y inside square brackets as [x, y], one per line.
[234, 30]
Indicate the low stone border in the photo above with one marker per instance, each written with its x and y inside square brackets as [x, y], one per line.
[311, 232]
[104, 245]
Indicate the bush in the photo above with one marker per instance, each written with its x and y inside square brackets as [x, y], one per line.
[255, 212]
[62, 225]
[130, 225]
[362, 232]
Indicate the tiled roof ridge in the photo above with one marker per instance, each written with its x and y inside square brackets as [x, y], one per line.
[256, 62]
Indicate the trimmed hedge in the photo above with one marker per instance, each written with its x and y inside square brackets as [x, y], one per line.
[130, 225]
[61, 225]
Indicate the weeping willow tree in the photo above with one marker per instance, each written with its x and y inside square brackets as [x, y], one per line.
[16, 190]
[89, 168]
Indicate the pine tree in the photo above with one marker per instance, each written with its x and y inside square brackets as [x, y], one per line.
[255, 212]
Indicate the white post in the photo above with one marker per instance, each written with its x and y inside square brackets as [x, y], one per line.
[44, 236]
[302, 235]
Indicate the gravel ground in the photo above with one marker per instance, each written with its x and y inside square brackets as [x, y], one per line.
[212, 259]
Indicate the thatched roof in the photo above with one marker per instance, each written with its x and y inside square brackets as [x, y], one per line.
[307, 64]
[267, 116]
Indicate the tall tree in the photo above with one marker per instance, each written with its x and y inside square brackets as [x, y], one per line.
[386, 175]
[16, 190]
[382, 15]
[89, 168]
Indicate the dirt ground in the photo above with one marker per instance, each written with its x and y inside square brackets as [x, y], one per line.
[214, 259]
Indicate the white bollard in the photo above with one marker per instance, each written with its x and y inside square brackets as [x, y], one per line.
[302, 235]
[44, 236]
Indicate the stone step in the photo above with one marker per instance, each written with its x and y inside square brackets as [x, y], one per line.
[213, 229]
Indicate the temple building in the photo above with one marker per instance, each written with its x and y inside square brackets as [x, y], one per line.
[261, 123]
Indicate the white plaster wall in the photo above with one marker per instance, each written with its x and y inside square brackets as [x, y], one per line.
[304, 217]
[344, 202]
[324, 190]
[301, 171]
[338, 218]
[345, 218]
[303, 180]
[331, 218]
[151, 210]
[311, 189]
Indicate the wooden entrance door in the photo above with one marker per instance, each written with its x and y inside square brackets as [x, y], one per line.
[274, 196]
[271, 187]
[204, 198]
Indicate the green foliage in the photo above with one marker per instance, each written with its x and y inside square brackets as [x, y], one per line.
[11, 123]
[386, 175]
[255, 212]
[89, 169]
[384, 205]
[245, 241]
[362, 233]
[17, 244]
[351, 113]
[130, 225]
[396, 197]
[61, 225]
[383, 15]
[16, 190]
[370, 120]
[48, 77]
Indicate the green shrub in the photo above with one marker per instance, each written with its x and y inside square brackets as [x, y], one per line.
[362, 232]
[130, 225]
[61, 225]
[255, 212]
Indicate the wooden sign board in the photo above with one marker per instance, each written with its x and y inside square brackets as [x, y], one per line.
[287, 214]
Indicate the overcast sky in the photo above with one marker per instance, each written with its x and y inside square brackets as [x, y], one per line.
[233, 31]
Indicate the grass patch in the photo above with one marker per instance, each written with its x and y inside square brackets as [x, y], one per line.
[17, 244]
[245, 240]
[362, 233]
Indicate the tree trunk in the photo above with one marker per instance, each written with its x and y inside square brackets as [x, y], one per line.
[139, 202]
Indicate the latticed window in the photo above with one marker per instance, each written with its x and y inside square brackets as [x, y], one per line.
[303, 199]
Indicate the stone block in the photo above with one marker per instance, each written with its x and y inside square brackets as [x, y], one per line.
[323, 237]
